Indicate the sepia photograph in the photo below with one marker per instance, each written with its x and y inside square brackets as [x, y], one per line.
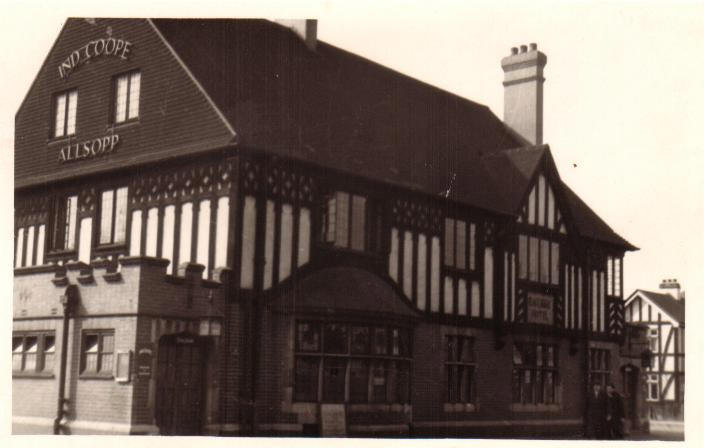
[394, 220]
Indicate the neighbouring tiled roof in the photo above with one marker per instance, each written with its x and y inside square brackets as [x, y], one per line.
[668, 304]
[344, 112]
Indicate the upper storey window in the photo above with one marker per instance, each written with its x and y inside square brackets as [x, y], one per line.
[344, 220]
[460, 242]
[127, 96]
[113, 216]
[63, 236]
[65, 113]
[541, 209]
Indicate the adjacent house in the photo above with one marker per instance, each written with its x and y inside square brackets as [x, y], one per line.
[663, 315]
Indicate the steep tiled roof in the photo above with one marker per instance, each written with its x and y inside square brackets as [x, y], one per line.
[589, 224]
[347, 113]
[668, 304]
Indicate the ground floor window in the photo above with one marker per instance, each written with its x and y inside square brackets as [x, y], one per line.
[460, 369]
[535, 373]
[342, 362]
[599, 366]
[33, 352]
[653, 388]
[98, 350]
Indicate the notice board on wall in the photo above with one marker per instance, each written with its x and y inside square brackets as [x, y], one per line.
[333, 420]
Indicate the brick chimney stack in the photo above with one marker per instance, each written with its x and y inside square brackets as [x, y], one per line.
[669, 284]
[523, 92]
[307, 29]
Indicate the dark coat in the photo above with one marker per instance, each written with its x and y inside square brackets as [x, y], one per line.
[614, 416]
[596, 415]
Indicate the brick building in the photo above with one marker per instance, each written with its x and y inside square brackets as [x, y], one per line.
[229, 227]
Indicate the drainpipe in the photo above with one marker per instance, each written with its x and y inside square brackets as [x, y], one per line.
[69, 300]
[586, 310]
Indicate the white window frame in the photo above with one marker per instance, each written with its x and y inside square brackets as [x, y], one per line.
[124, 111]
[112, 213]
[65, 117]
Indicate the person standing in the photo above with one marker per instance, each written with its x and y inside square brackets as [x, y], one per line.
[614, 413]
[596, 413]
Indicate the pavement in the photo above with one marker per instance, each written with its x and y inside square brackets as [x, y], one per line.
[673, 436]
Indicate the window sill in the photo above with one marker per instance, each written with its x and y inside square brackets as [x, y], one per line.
[96, 376]
[51, 141]
[459, 407]
[61, 253]
[519, 407]
[114, 247]
[356, 407]
[35, 375]
[123, 124]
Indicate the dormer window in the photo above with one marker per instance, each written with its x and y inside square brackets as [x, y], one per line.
[127, 97]
[65, 105]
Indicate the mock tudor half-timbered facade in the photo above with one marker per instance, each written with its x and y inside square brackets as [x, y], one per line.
[663, 315]
[229, 227]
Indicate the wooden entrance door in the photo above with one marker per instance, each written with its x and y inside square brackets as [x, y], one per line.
[179, 393]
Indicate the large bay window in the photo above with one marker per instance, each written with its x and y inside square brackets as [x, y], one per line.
[350, 363]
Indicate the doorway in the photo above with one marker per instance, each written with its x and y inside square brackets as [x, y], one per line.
[630, 375]
[179, 384]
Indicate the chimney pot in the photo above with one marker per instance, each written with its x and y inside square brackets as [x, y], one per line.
[523, 92]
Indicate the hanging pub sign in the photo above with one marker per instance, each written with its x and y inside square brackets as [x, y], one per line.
[540, 308]
[89, 149]
[111, 47]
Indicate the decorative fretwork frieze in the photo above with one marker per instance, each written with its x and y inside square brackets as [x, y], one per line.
[285, 182]
[489, 233]
[416, 215]
[182, 183]
[31, 209]
[87, 200]
[251, 176]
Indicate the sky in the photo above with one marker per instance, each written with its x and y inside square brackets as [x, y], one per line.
[622, 106]
[623, 93]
